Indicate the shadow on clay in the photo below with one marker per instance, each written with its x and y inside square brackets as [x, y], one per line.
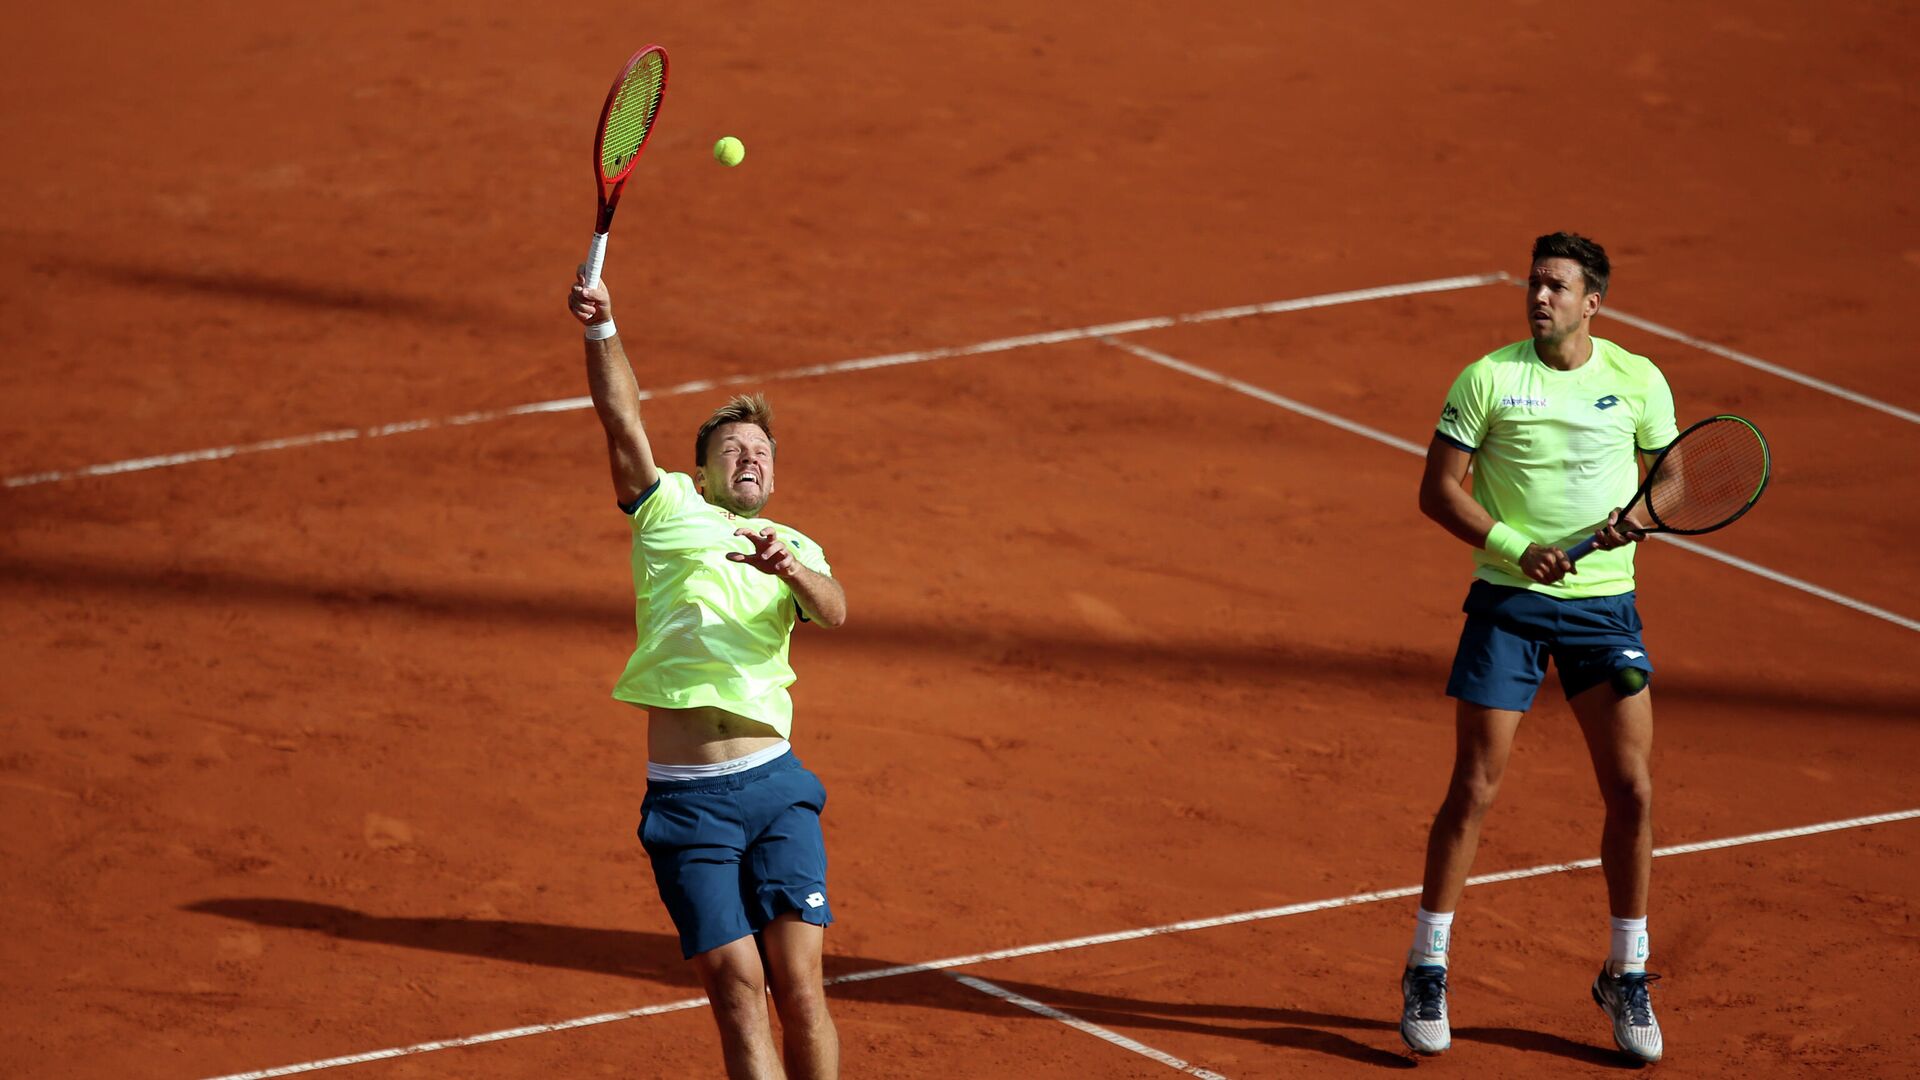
[1540, 1042]
[290, 292]
[656, 958]
[1064, 651]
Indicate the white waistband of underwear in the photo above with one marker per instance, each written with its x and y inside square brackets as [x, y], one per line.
[657, 771]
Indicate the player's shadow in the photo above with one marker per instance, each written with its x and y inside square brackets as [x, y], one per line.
[1540, 1042]
[655, 957]
[629, 953]
[1299, 1029]
[1295, 1029]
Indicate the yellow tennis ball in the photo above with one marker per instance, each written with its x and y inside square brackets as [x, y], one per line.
[729, 151]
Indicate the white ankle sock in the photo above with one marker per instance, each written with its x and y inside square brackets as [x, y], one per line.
[1630, 946]
[1432, 936]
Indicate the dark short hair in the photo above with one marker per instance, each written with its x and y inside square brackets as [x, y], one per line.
[739, 409]
[1592, 258]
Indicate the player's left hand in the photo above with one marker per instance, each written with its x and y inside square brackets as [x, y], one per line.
[1618, 532]
[769, 556]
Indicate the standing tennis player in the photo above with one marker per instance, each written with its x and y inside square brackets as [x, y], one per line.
[1553, 430]
[731, 819]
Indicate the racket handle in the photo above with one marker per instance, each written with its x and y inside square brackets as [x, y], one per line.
[1579, 550]
[596, 258]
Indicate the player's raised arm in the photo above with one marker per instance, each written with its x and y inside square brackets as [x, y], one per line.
[616, 397]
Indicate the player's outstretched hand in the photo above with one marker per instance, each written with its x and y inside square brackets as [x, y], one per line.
[1618, 533]
[1545, 565]
[770, 556]
[589, 305]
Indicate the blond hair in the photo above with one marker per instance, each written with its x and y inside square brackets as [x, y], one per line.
[739, 409]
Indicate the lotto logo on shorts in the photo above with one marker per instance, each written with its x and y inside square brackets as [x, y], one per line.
[816, 899]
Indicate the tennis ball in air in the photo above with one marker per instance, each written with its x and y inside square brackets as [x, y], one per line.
[729, 151]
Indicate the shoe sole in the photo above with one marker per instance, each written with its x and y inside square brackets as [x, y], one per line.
[1425, 1053]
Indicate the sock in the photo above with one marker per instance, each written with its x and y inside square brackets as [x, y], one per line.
[1432, 936]
[1629, 952]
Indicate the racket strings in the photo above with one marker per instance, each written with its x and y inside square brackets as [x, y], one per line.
[1709, 477]
[631, 116]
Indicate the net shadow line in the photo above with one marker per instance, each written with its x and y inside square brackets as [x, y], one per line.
[1035, 650]
[293, 292]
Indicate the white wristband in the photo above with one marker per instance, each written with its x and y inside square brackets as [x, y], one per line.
[600, 331]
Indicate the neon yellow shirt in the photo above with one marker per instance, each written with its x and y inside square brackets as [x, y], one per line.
[710, 632]
[1554, 451]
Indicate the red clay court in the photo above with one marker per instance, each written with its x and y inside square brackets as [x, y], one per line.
[1104, 340]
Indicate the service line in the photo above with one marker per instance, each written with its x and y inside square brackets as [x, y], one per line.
[1078, 943]
[1749, 360]
[1261, 393]
[1051, 337]
[1758, 364]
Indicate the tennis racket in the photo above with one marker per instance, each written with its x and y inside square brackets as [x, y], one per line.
[1704, 480]
[625, 122]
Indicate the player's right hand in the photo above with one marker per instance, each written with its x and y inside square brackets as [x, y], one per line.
[1618, 532]
[593, 305]
[1545, 565]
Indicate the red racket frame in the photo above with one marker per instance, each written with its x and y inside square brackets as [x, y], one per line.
[610, 187]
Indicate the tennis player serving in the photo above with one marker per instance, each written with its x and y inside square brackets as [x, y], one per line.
[731, 819]
[1554, 430]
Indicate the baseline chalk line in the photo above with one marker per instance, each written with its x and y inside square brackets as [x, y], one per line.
[1077, 943]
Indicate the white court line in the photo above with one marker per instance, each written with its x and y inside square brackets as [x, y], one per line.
[1751, 361]
[1792, 582]
[1271, 398]
[1083, 942]
[1055, 337]
[1052, 337]
[1758, 364]
[1092, 1029]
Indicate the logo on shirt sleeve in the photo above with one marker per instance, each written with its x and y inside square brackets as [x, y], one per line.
[1450, 414]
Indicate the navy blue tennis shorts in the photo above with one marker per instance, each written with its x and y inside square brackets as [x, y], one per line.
[1510, 634]
[732, 853]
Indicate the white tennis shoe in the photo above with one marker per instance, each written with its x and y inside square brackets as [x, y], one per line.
[1423, 1012]
[1625, 1000]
